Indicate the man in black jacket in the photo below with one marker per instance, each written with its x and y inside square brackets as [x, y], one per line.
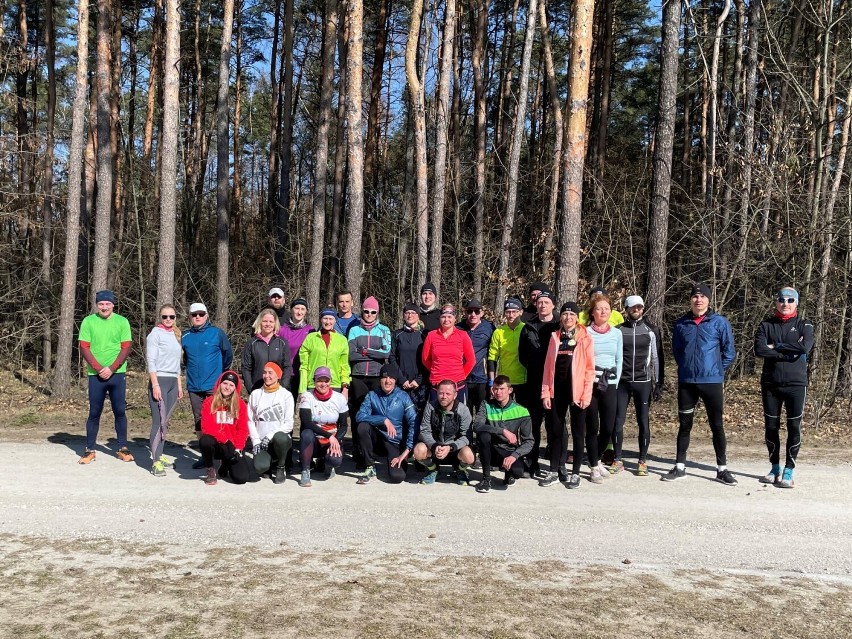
[445, 435]
[533, 292]
[783, 340]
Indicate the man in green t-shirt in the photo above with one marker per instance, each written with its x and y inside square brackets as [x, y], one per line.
[105, 344]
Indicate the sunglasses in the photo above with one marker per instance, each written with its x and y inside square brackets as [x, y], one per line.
[473, 311]
[275, 297]
[198, 314]
[370, 312]
[167, 316]
[788, 300]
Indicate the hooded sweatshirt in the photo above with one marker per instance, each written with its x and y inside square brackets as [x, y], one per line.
[223, 426]
[270, 413]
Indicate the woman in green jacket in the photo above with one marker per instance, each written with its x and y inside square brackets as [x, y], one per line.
[326, 348]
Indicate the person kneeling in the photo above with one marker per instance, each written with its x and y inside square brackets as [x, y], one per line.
[504, 429]
[224, 430]
[270, 423]
[387, 416]
[323, 413]
[445, 435]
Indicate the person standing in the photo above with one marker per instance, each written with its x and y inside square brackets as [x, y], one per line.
[277, 302]
[345, 318]
[615, 318]
[532, 351]
[784, 341]
[325, 347]
[448, 354]
[480, 331]
[703, 347]
[503, 351]
[270, 424]
[430, 314]
[163, 355]
[407, 355]
[642, 374]
[265, 346]
[294, 332]
[105, 343]
[533, 292]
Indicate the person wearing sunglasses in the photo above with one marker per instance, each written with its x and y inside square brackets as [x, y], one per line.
[207, 354]
[163, 355]
[783, 340]
[480, 331]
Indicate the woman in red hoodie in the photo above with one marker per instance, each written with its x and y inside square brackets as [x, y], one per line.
[224, 430]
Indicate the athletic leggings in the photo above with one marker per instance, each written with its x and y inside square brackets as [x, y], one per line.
[714, 402]
[116, 388]
[600, 415]
[487, 451]
[476, 394]
[641, 394]
[276, 453]
[369, 438]
[310, 448]
[563, 408]
[233, 466]
[537, 414]
[792, 398]
[161, 410]
[358, 389]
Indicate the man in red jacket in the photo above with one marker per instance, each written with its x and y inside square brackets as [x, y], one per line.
[448, 354]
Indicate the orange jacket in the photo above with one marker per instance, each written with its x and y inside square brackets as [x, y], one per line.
[582, 367]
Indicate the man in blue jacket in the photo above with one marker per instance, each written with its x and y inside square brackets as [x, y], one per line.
[703, 347]
[206, 354]
[387, 418]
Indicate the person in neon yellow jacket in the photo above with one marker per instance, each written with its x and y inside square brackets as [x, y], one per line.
[326, 348]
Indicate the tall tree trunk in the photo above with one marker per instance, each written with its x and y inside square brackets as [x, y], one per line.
[479, 16]
[553, 204]
[418, 105]
[575, 149]
[103, 206]
[371, 147]
[508, 221]
[282, 204]
[442, 126]
[223, 189]
[603, 86]
[47, 189]
[275, 117]
[661, 180]
[168, 158]
[151, 101]
[62, 371]
[355, 143]
[24, 164]
[339, 194]
[329, 40]
[237, 147]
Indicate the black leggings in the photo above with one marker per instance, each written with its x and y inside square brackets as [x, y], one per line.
[358, 389]
[487, 451]
[537, 414]
[563, 408]
[792, 398]
[476, 394]
[600, 415]
[714, 402]
[641, 394]
[236, 467]
[310, 448]
[370, 438]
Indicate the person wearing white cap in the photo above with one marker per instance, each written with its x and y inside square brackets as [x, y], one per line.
[207, 354]
[278, 302]
[642, 373]
[783, 340]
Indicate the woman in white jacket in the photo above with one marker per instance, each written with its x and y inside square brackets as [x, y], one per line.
[270, 420]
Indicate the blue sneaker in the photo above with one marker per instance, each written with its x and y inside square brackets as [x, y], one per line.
[431, 476]
[787, 479]
[773, 476]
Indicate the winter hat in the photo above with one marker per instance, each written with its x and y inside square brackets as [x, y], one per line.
[230, 376]
[328, 311]
[570, 307]
[275, 367]
[513, 304]
[428, 286]
[411, 307]
[322, 371]
[789, 291]
[370, 304]
[299, 301]
[537, 286]
[597, 289]
[105, 296]
[634, 300]
[389, 370]
[699, 289]
[547, 295]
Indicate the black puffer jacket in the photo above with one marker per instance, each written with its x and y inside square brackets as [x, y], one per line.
[784, 346]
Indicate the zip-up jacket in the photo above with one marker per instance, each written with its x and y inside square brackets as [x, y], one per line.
[270, 413]
[446, 428]
[395, 406]
[514, 418]
[294, 338]
[342, 325]
[431, 319]
[223, 426]
[582, 367]
[258, 353]
[407, 354]
[503, 353]
[703, 348]
[786, 363]
[643, 352]
[206, 353]
[314, 353]
[532, 347]
[480, 337]
[369, 349]
[448, 357]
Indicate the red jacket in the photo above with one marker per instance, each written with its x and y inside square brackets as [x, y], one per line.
[448, 357]
[221, 425]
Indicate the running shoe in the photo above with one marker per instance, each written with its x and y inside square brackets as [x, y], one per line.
[549, 480]
[595, 476]
[574, 482]
[124, 454]
[87, 458]
[305, 481]
[616, 467]
[431, 476]
[368, 474]
[211, 479]
[642, 471]
[674, 473]
[603, 470]
[538, 474]
[280, 475]
[509, 479]
[484, 485]
[158, 469]
[168, 461]
[330, 473]
[608, 455]
[773, 476]
[725, 477]
[462, 476]
[787, 479]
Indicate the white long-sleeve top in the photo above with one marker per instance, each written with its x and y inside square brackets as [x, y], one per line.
[270, 413]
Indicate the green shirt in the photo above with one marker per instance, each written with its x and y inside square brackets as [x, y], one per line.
[105, 337]
[504, 350]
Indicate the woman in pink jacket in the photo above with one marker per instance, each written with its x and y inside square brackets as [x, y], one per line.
[569, 372]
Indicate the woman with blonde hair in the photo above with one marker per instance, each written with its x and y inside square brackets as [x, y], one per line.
[224, 431]
[163, 354]
[264, 347]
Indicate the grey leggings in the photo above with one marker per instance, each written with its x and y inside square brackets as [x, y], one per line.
[160, 412]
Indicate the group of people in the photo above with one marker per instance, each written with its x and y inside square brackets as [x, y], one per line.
[444, 389]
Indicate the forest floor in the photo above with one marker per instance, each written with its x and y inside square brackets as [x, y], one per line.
[108, 550]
